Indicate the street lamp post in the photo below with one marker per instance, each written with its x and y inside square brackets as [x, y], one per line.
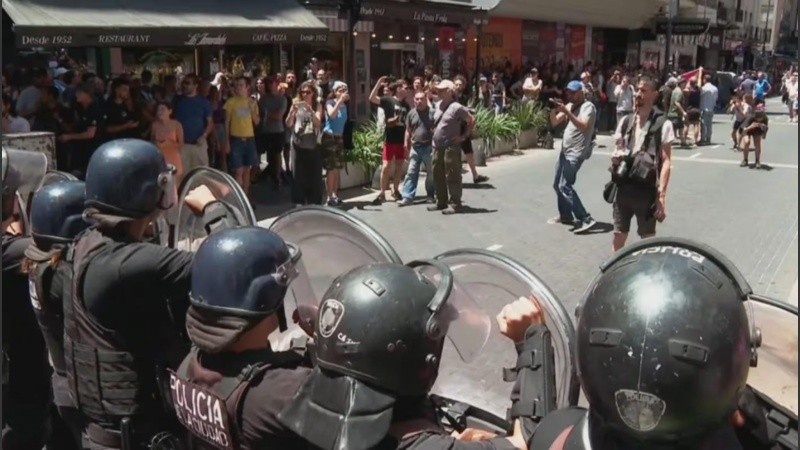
[668, 48]
[766, 37]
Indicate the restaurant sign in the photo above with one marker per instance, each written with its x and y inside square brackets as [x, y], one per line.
[28, 37]
[427, 15]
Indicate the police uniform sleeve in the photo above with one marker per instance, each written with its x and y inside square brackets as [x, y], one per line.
[157, 269]
[433, 441]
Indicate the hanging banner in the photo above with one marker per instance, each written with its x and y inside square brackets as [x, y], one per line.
[576, 42]
[447, 37]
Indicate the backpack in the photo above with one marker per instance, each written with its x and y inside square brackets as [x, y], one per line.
[645, 166]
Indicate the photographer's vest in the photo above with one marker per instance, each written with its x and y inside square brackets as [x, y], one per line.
[51, 321]
[648, 155]
[107, 381]
[209, 403]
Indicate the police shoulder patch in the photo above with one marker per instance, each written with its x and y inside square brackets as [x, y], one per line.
[330, 315]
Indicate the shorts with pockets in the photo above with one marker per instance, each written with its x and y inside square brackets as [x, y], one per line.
[332, 151]
[634, 201]
[243, 153]
[393, 151]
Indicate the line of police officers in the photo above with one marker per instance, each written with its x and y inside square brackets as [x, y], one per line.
[112, 311]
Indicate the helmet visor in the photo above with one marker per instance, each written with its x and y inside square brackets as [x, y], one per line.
[466, 324]
[169, 188]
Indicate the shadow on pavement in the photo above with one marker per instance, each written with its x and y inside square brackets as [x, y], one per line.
[764, 167]
[477, 186]
[599, 228]
[470, 210]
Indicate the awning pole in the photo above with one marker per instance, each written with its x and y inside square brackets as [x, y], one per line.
[197, 62]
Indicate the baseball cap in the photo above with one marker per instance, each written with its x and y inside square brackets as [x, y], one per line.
[446, 84]
[482, 79]
[338, 85]
[575, 86]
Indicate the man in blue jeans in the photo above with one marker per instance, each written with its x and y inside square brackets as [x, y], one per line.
[576, 147]
[419, 134]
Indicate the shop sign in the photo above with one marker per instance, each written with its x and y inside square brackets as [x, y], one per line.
[206, 39]
[123, 39]
[46, 41]
[683, 26]
[395, 12]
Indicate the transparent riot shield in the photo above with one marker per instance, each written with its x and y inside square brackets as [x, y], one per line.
[494, 280]
[776, 373]
[189, 228]
[332, 243]
[23, 173]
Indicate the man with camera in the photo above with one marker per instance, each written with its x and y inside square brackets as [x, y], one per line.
[640, 166]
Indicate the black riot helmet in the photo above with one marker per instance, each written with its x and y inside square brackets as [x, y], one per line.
[381, 324]
[241, 274]
[129, 179]
[57, 213]
[665, 342]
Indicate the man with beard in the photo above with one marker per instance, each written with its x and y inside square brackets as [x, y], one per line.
[641, 166]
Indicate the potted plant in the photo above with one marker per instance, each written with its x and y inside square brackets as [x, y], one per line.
[365, 156]
[492, 131]
[532, 119]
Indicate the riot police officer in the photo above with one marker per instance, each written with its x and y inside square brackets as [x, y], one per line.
[239, 279]
[26, 373]
[664, 346]
[125, 295]
[378, 343]
[56, 217]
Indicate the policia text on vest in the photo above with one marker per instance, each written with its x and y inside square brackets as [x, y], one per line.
[202, 412]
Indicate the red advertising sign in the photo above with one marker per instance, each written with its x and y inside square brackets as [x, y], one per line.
[447, 37]
[576, 39]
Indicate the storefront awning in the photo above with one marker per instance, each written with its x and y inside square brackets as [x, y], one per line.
[625, 14]
[161, 23]
[433, 13]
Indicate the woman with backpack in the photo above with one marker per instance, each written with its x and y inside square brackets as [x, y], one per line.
[305, 121]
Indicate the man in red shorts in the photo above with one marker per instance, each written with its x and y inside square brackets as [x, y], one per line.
[396, 109]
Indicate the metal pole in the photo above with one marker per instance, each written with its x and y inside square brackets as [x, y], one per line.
[668, 48]
[476, 85]
[766, 25]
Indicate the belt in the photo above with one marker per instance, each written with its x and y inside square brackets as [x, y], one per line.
[337, 137]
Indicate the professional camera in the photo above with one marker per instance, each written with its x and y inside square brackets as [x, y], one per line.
[622, 171]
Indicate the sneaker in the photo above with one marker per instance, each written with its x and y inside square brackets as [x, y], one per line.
[405, 202]
[430, 201]
[758, 165]
[436, 208]
[480, 179]
[331, 202]
[585, 226]
[397, 196]
[743, 164]
[559, 221]
[379, 200]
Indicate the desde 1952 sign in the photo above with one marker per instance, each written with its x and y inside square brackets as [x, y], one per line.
[36, 37]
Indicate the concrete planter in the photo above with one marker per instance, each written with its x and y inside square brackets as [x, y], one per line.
[528, 139]
[503, 147]
[479, 150]
[353, 177]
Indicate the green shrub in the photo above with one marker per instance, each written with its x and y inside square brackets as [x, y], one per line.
[367, 146]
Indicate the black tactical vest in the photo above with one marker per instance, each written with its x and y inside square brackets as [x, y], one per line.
[107, 381]
[208, 402]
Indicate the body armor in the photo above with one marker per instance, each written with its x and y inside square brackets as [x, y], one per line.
[107, 380]
[208, 402]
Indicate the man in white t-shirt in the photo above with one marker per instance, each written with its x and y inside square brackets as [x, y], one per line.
[791, 93]
[641, 192]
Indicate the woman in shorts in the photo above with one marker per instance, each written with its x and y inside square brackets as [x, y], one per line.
[333, 140]
[755, 130]
[739, 108]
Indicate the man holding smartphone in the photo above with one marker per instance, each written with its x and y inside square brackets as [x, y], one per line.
[576, 147]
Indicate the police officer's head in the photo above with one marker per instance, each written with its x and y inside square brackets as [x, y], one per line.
[664, 343]
[239, 279]
[128, 181]
[384, 325]
[57, 213]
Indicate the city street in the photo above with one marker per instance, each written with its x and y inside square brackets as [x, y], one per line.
[749, 215]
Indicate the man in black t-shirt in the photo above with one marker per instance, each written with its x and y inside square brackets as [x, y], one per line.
[80, 143]
[118, 119]
[395, 108]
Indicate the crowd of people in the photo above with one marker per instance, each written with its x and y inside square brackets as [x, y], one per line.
[301, 125]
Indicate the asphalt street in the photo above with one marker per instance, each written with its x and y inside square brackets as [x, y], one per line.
[749, 215]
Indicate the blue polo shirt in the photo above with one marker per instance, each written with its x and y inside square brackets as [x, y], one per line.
[761, 88]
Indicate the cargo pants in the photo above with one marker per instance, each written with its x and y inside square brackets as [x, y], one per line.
[447, 175]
